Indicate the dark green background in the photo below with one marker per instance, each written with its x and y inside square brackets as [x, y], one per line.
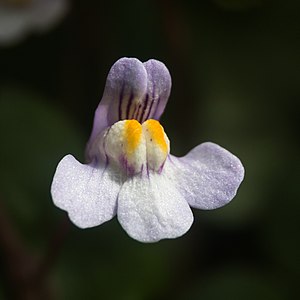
[235, 70]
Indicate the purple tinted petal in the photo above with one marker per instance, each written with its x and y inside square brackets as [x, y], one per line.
[208, 176]
[88, 194]
[158, 90]
[125, 87]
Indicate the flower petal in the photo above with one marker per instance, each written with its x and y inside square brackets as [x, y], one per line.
[88, 194]
[208, 176]
[158, 90]
[151, 209]
[125, 87]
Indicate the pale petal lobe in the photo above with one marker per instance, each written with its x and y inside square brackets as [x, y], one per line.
[208, 176]
[151, 209]
[86, 192]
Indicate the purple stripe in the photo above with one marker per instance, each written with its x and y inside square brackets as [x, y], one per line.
[133, 111]
[104, 148]
[149, 110]
[129, 104]
[151, 105]
[120, 101]
[144, 107]
[137, 111]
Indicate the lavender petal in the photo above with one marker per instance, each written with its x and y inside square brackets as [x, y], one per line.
[208, 176]
[125, 87]
[87, 193]
[158, 90]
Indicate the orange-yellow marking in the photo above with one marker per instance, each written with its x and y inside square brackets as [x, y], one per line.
[156, 133]
[133, 135]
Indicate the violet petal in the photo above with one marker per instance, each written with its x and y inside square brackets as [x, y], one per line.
[208, 176]
[126, 85]
[87, 193]
[158, 90]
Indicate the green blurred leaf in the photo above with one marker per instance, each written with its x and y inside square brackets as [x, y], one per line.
[237, 5]
[237, 283]
[114, 265]
[35, 135]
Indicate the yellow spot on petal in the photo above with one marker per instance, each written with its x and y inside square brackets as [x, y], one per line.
[156, 134]
[133, 135]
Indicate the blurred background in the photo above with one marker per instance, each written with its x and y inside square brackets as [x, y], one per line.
[235, 71]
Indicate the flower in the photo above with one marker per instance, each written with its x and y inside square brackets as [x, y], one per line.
[18, 17]
[130, 171]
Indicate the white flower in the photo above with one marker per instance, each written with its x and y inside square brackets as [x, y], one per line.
[130, 171]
